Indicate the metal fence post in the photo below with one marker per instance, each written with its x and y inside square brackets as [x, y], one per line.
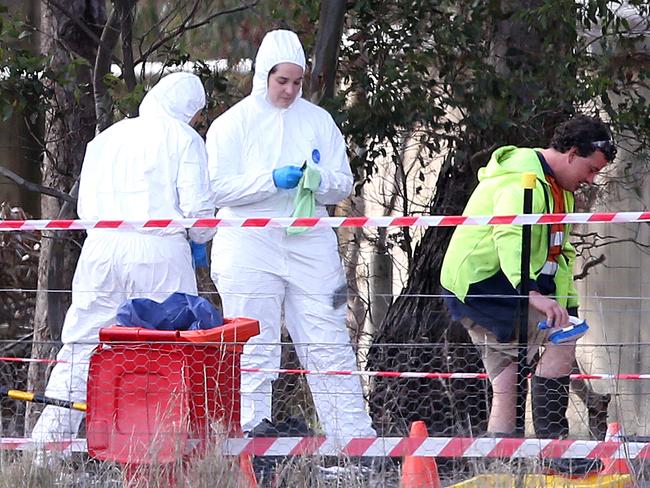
[528, 182]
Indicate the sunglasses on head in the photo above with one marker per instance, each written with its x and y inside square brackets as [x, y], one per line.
[606, 147]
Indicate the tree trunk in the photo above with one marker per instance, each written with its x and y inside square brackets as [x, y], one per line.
[67, 131]
[330, 28]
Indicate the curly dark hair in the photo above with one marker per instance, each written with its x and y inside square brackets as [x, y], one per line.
[582, 132]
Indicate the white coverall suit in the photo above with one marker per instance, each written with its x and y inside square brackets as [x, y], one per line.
[152, 166]
[261, 272]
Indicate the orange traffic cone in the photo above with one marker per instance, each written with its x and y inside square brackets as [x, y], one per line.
[418, 471]
[614, 466]
[247, 479]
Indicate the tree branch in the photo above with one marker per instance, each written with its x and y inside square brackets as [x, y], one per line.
[328, 39]
[35, 187]
[126, 28]
[588, 265]
[69, 209]
[605, 241]
[105, 47]
[184, 28]
[157, 27]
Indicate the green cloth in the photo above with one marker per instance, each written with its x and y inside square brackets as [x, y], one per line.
[304, 203]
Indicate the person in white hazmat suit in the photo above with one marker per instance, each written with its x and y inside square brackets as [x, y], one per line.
[256, 151]
[151, 166]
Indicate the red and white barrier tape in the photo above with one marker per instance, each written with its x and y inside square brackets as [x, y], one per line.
[23, 444]
[30, 360]
[409, 221]
[456, 447]
[445, 376]
[383, 374]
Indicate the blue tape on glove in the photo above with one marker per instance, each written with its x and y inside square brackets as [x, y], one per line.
[572, 332]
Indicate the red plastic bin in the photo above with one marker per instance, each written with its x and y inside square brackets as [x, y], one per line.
[152, 394]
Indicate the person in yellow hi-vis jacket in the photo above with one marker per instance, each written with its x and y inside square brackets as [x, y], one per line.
[481, 271]
[275, 154]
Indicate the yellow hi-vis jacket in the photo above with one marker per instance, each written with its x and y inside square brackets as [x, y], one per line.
[477, 253]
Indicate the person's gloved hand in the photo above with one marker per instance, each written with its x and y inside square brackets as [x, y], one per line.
[199, 255]
[287, 177]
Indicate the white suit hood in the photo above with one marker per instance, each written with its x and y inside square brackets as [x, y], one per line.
[254, 137]
[153, 166]
[278, 46]
[178, 95]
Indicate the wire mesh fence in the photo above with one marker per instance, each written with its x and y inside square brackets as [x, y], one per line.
[443, 384]
[161, 399]
[156, 397]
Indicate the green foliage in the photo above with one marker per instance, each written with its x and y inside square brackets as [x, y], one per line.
[441, 67]
[435, 68]
[28, 79]
[21, 72]
[125, 101]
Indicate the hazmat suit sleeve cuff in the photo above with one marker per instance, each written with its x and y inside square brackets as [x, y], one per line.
[201, 236]
[333, 187]
[233, 191]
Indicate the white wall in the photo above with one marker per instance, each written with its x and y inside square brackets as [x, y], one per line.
[615, 297]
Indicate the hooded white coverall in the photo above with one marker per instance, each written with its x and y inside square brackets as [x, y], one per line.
[261, 272]
[148, 167]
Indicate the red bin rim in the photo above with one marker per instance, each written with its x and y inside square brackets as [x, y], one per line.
[238, 329]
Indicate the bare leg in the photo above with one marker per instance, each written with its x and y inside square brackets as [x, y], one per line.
[557, 360]
[504, 399]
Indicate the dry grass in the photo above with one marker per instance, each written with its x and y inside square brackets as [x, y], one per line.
[214, 470]
[26, 469]
[210, 470]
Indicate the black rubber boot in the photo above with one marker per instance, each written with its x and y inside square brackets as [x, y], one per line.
[522, 396]
[550, 399]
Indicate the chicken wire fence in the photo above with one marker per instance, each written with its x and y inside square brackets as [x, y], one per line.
[201, 397]
[152, 388]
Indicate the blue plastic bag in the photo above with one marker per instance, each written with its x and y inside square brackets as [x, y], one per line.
[179, 311]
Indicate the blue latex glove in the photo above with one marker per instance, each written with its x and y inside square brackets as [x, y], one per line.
[287, 177]
[199, 255]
